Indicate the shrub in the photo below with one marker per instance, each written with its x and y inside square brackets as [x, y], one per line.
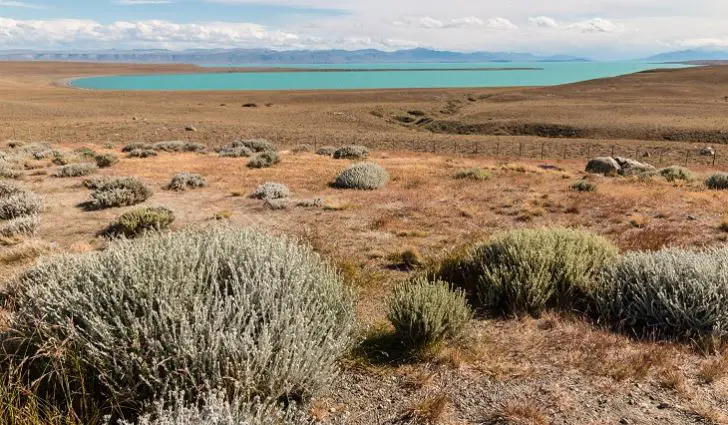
[531, 270]
[142, 153]
[670, 293]
[196, 310]
[179, 146]
[76, 170]
[120, 192]
[20, 204]
[425, 313]
[64, 159]
[23, 225]
[473, 174]
[137, 146]
[584, 186]
[9, 170]
[85, 152]
[302, 148]
[717, 181]
[351, 152]
[326, 150]
[106, 160]
[676, 172]
[185, 180]
[367, 176]
[140, 221]
[235, 152]
[9, 188]
[256, 145]
[264, 159]
[95, 182]
[271, 190]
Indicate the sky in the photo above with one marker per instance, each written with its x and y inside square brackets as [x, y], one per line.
[601, 29]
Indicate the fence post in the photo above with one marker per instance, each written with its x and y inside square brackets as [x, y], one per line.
[588, 150]
[497, 148]
[564, 150]
[687, 156]
[477, 146]
[520, 149]
[715, 153]
[542, 144]
[662, 150]
[612, 151]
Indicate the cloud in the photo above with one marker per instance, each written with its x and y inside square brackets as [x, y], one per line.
[705, 43]
[597, 25]
[141, 2]
[426, 22]
[543, 22]
[21, 4]
[501, 24]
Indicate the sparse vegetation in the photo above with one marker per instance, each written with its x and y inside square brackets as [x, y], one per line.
[137, 146]
[76, 170]
[19, 211]
[185, 180]
[179, 146]
[584, 186]
[106, 160]
[140, 221]
[235, 152]
[256, 145]
[365, 176]
[425, 313]
[142, 153]
[120, 192]
[302, 149]
[473, 174]
[264, 159]
[675, 173]
[270, 190]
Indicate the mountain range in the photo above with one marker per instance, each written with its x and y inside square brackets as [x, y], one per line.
[690, 55]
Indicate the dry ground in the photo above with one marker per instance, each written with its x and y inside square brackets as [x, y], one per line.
[555, 369]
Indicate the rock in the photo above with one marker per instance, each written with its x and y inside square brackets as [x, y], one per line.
[631, 167]
[663, 405]
[646, 155]
[624, 421]
[692, 218]
[603, 165]
[190, 128]
[707, 151]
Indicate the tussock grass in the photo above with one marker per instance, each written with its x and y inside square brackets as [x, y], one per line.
[473, 174]
[717, 181]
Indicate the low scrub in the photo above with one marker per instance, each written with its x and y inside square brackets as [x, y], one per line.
[531, 270]
[179, 146]
[672, 293]
[302, 148]
[106, 160]
[76, 170]
[584, 186]
[137, 146]
[120, 192]
[21, 226]
[20, 204]
[256, 145]
[270, 190]
[326, 151]
[185, 180]
[473, 174]
[264, 159]
[9, 170]
[140, 221]
[142, 153]
[235, 152]
[717, 181]
[425, 313]
[95, 182]
[675, 173]
[234, 309]
[351, 152]
[365, 176]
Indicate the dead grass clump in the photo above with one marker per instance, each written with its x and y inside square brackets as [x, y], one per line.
[302, 149]
[429, 411]
[639, 221]
[120, 192]
[76, 170]
[264, 159]
[712, 370]
[409, 258]
[653, 238]
[185, 180]
[518, 412]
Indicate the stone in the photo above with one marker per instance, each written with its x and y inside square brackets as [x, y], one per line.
[190, 128]
[631, 167]
[707, 151]
[603, 165]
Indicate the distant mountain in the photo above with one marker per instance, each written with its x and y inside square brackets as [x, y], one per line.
[265, 56]
[689, 55]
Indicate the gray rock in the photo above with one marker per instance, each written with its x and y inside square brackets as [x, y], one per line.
[631, 167]
[707, 151]
[190, 128]
[603, 165]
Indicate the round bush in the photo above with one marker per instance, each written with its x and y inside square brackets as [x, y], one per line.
[235, 152]
[717, 181]
[106, 160]
[120, 192]
[270, 190]
[20, 204]
[675, 172]
[193, 310]
[185, 180]
[142, 220]
[256, 145]
[351, 152]
[584, 186]
[23, 225]
[264, 159]
[76, 170]
[425, 313]
[367, 176]
[302, 148]
[532, 270]
[670, 293]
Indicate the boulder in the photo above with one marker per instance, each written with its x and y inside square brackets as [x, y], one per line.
[631, 167]
[603, 165]
[707, 151]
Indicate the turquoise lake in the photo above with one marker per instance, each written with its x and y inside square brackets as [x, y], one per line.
[376, 76]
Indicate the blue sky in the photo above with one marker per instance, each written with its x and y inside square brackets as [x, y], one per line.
[597, 28]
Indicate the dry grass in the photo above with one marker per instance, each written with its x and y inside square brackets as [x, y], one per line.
[518, 412]
[429, 411]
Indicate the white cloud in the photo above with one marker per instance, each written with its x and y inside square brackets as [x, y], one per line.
[705, 43]
[21, 4]
[427, 22]
[543, 22]
[141, 2]
[596, 25]
[501, 24]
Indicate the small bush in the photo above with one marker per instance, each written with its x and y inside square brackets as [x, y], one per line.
[233, 309]
[106, 160]
[9, 170]
[9, 188]
[425, 313]
[264, 159]
[141, 220]
[366, 176]
[142, 153]
[85, 152]
[717, 181]
[20, 204]
[351, 152]
[179, 146]
[65, 159]
[95, 182]
[326, 151]
[76, 170]
[473, 174]
[120, 192]
[256, 145]
[531, 270]
[672, 293]
[302, 149]
[271, 190]
[137, 146]
[410, 258]
[23, 225]
[675, 173]
[235, 152]
[584, 186]
[185, 180]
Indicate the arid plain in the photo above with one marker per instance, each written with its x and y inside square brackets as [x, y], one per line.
[534, 142]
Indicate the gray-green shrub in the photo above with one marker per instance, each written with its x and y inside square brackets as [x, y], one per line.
[235, 152]
[473, 174]
[584, 186]
[185, 180]
[326, 151]
[179, 146]
[9, 188]
[193, 310]
[120, 192]
[20, 204]
[9, 170]
[425, 312]
[106, 160]
[23, 225]
[95, 182]
[137, 145]
[264, 159]
[256, 145]
[142, 153]
[717, 181]
[351, 152]
[302, 148]
[530, 270]
[366, 176]
[140, 221]
[271, 190]
[675, 172]
[76, 170]
[672, 293]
